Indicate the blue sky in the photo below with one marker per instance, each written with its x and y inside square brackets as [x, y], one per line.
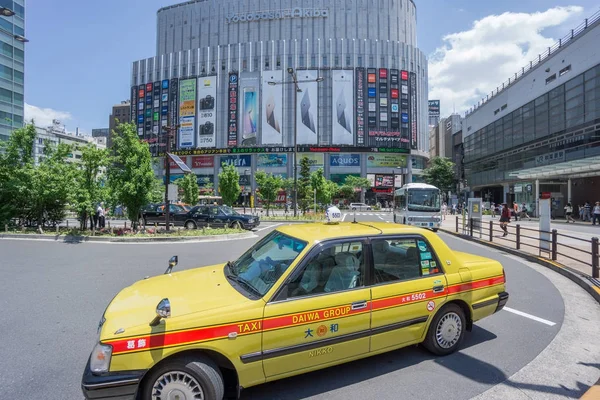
[79, 57]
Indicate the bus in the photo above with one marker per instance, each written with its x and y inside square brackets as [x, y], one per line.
[418, 204]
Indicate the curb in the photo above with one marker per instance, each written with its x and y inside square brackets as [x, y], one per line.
[580, 279]
[91, 239]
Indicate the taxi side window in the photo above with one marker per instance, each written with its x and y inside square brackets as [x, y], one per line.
[336, 268]
[402, 259]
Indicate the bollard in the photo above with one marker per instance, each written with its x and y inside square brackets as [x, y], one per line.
[457, 224]
[491, 231]
[125, 227]
[57, 229]
[554, 244]
[108, 224]
[518, 237]
[5, 227]
[595, 261]
[67, 224]
[471, 226]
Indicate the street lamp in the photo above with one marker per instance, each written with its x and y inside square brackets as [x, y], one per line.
[6, 12]
[246, 173]
[170, 130]
[295, 82]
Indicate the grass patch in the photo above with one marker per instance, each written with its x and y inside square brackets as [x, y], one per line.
[121, 232]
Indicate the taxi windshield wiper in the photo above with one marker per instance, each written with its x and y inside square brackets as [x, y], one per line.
[246, 284]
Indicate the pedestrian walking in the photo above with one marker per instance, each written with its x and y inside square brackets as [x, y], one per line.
[516, 209]
[569, 212]
[524, 212]
[493, 209]
[581, 211]
[444, 210]
[596, 214]
[587, 211]
[101, 216]
[505, 219]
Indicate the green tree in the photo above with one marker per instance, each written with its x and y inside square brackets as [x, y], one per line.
[351, 185]
[229, 184]
[208, 189]
[305, 195]
[90, 178]
[269, 186]
[131, 176]
[440, 173]
[326, 189]
[157, 193]
[189, 185]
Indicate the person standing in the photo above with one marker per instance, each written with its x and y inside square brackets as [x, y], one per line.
[581, 211]
[596, 215]
[505, 219]
[444, 210]
[516, 209]
[101, 216]
[569, 212]
[587, 211]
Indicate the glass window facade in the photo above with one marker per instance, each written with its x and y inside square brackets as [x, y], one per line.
[12, 58]
[555, 126]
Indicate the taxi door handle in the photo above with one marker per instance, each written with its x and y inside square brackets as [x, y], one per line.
[359, 305]
[438, 289]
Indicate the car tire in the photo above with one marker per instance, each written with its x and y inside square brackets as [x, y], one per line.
[446, 331]
[435, 229]
[189, 375]
[236, 225]
[191, 225]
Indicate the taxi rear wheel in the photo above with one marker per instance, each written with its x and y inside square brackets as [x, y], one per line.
[196, 378]
[446, 331]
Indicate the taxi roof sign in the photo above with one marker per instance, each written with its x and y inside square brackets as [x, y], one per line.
[333, 215]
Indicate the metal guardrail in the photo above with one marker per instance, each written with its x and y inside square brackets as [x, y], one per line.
[541, 57]
[554, 249]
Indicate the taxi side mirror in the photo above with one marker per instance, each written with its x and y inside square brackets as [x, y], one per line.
[163, 310]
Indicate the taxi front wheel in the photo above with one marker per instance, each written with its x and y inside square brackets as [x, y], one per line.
[446, 331]
[188, 377]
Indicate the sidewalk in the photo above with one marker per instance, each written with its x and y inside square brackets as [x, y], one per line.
[573, 250]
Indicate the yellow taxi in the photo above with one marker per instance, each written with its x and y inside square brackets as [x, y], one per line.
[302, 298]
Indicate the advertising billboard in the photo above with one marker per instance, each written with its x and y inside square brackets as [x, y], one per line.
[207, 111]
[173, 99]
[316, 160]
[372, 99]
[343, 107]
[203, 161]
[232, 111]
[344, 160]
[249, 106]
[272, 108]
[360, 106]
[413, 111]
[308, 108]
[134, 102]
[386, 161]
[434, 108]
[187, 113]
[383, 99]
[236, 161]
[272, 160]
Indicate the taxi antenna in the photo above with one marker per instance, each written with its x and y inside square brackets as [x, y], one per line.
[354, 222]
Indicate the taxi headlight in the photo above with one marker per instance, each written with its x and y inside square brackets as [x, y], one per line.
[100, 358]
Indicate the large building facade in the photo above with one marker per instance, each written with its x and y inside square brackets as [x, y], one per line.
[12, 67]
[222, 73]
[539, 133]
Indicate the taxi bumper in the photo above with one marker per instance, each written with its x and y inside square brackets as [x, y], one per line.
[122, 385]
[502, 300]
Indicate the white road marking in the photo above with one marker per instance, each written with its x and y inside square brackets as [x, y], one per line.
[344, 217]
[379, 216]
[268, 227]
[533, 317]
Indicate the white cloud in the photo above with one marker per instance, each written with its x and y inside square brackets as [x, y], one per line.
[43, 116]
[472, 63]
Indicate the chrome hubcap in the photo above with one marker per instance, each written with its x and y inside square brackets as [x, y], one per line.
[177, 385]
[448, 330]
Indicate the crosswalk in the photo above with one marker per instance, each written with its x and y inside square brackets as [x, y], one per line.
[377, 216]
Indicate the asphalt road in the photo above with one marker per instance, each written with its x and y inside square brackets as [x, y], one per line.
[53, 295]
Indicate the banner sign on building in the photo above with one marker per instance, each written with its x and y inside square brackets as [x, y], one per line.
[344, 160]
[203, 161]
[173, 106]
[207, 111]
[360, 106]
[383, 99]
[272, 160]
[395, 100]
[413, 111]
[272, 108]
[372, 99]
[154, 148]
[236, 161]
[187, 113]
[133, 106]
[386, 161]
[249, 104]
[434, 108]
[343, 107]
[308, 108]
[148, 117]
[232, 133]
[314, 159]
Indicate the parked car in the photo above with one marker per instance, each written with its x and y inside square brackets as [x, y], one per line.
[155, 214]
[304, 297]
[360, 207]
[216, 217]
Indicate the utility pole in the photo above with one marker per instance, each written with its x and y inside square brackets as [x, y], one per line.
[170, 130]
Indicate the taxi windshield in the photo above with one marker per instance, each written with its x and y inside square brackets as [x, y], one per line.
[264, 263]
[229, 211]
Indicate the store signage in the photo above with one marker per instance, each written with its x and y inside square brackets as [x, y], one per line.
[413, 111]
[233, 109]
[279, 14]
[203, 161]
[434, 108]
[344, 160]
[301, 149]
[237, 161]
[272, 160]
[360, 106]
[386, 161]
[550, 158]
